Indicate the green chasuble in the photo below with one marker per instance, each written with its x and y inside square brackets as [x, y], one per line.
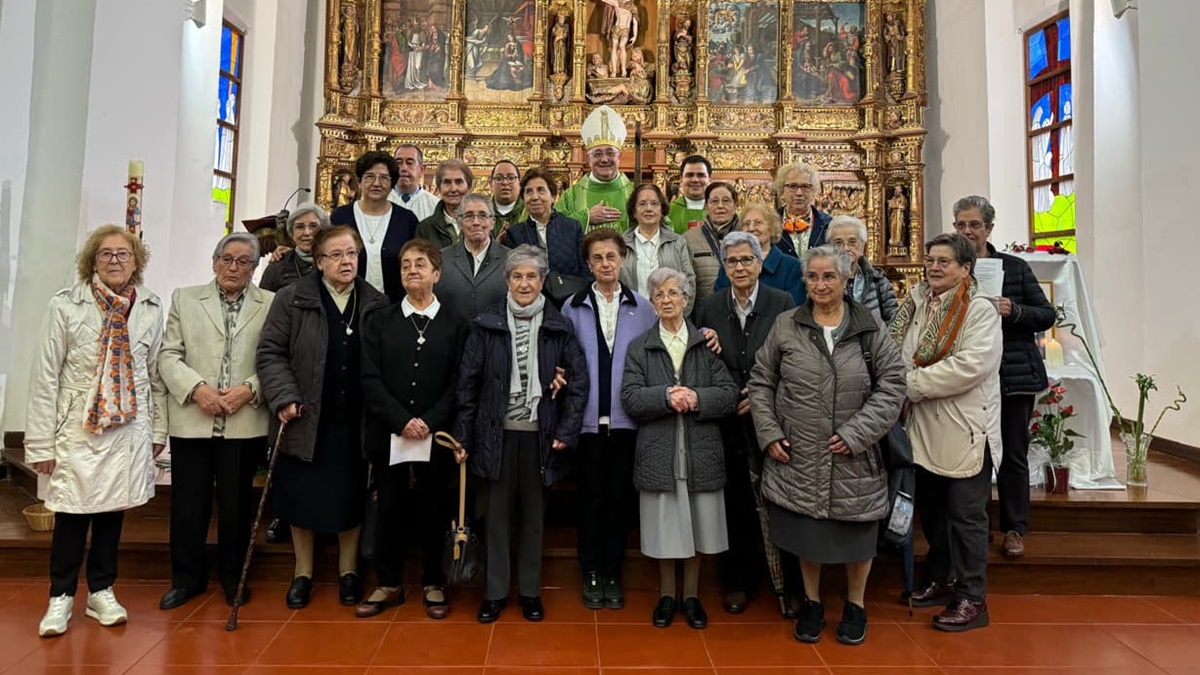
[505, 221]
[680, 215]
[586, 193]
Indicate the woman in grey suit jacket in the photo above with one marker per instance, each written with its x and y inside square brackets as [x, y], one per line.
[652, 243]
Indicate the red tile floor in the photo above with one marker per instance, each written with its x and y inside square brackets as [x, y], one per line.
[1053, 635]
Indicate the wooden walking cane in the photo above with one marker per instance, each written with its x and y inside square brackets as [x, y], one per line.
[232, 623]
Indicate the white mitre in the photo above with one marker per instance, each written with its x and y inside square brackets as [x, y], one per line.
[603, 126]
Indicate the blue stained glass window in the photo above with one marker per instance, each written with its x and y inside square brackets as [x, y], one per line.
[1040, 112]
[230, 46]
[1064, 39]
[1065, 105]
[1038, 60]
[227, 100]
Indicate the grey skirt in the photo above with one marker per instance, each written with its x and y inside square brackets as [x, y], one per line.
[821, 540]
[680, 524]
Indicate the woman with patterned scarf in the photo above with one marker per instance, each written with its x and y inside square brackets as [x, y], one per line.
[950, 340]
[97, 417]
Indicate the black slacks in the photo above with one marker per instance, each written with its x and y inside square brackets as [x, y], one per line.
[1012, 478]
[67, 546]
[516, 501]
[605, 489]
[420, 514]
[740, 565]
[197, 465]
[954, 518]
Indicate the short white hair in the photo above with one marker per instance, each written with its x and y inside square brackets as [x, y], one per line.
[848, 221]
[662, 275]
[841, 259]
[527, 254]
[244, 237]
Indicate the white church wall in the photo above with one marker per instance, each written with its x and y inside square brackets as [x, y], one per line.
[17, 18]
[1005, 44]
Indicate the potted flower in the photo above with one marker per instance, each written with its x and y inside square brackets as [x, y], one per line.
[1133, 433]
[1049, 430]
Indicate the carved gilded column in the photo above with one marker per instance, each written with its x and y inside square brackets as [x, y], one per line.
[579, 40]
[784, 51]
[870, 51]
[910, 50]
[333, 31]
[459, 11]
[917, 63]
[540, 29]
[662, 81]
[916, 191]
[373, 48]
[701, 54]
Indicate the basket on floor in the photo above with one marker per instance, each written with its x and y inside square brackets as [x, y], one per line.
[40, 518]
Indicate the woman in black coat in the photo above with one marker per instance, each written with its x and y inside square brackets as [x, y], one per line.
[516, 422]
[409, 392]
[560, 236]
[383, 226]
[302, 226]
[308, 366]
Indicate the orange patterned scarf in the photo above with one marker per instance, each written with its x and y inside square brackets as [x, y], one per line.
[938, 335]
[115, 401]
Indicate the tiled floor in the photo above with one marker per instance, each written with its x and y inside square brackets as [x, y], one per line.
[1051, 635]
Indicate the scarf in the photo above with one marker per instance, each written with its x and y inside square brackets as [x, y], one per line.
[794, 224]
[306, 257]
[115, 401]
[941, 332]
[532, 313]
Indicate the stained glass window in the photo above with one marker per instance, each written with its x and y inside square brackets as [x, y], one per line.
[229, 97]
[1049, 137]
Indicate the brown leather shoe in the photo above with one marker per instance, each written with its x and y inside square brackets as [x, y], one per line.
[933, 595]
[435, 603]
[369, 608]
[1014, 544]
[961, 616]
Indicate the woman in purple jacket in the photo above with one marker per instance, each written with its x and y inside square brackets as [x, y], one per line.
[607, 317]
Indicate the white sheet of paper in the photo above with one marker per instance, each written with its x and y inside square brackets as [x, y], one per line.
[989, 272]
[408, 450]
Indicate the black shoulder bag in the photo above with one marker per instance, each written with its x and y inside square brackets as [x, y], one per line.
[896, 451]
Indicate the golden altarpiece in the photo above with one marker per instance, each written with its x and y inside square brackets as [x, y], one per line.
[749, 84]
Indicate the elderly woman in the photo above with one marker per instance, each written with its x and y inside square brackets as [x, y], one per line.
[804, 225]
[677, 390]
[607, 317]
[472, 278]
[560, 236]
[950, 341]
[97, 417]
[454, 179]
[704, 242]
[382, 226]
[309, 355]
[742, 315]
[868, 285]
[651, 242]
[218, 424]
[827, 385]
[302, 227]
[409, 391]
[516, 425]
[778, 270]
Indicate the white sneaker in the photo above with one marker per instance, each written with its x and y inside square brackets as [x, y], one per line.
[57, 616]
[103, 607]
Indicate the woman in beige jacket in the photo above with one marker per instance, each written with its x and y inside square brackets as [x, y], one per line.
[950, 340]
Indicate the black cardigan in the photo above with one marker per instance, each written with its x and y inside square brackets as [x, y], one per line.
[401, 228]
[402, 380]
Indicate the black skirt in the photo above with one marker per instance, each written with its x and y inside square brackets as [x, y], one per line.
[327, 494]
[823, 541]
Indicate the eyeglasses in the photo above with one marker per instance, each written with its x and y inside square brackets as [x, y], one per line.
[673, 294]
[124, 255]
[652, 203]
[506, 179]
[846, 243]
[338, 256]
[939, 262]
[474, 216]
[377, 178]
[720, 201]
[794, 187]
[969, 225]
[304, 227]
[230, 261]
[606, 153]
[599, 259]
[746, 261]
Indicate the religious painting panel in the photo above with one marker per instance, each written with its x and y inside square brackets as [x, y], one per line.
[416, 49]
[621, 51]
[827, 61]
[498, 51]
[743, 39]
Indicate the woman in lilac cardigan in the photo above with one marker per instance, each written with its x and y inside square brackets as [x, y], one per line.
[607, 317]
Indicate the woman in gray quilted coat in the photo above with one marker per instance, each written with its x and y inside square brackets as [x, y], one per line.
[819, 414]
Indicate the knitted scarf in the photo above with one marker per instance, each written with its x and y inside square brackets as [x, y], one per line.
[115, 401]
[532, 313]
[940, 333]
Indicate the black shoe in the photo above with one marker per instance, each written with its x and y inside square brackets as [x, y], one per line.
[664, 611]
[177, 597]
[614, 595]
[350, 589]
[230, 592]
[852, 629]
[299, 593]
[694, 611]
[489, 610]
[278, 532]
[810, 623]
[789, 606]
[735, 602]
[593, 594]
[531, 608]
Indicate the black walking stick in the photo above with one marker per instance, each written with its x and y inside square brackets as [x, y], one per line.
[232, 623]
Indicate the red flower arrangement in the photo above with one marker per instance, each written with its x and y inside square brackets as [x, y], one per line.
[1049, 427]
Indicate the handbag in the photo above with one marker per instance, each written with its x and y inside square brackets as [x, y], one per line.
[895, 450]
[462, 558]
[368, 541]
[561, 287]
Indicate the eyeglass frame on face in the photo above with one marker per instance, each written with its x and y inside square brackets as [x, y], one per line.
[746, 261]
[722, 201]
[669, 294]
[796, 187]
[507, 178]
[847, 243]
[121, 255]
[338, 256]
[475, 216]
[930, 261]
[975, 225]
[230, 261]
[372, 178]
[605, 152]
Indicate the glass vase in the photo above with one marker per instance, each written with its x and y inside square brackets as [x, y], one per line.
[1136, 447]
